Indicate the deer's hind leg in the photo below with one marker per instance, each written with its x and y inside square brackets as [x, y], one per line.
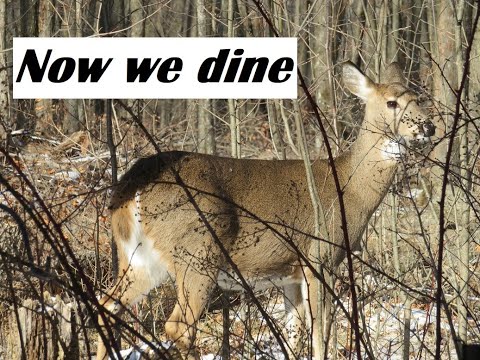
[130, 287]
[197, 258]
[195, 277]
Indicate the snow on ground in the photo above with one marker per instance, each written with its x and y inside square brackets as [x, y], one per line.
[384, 322]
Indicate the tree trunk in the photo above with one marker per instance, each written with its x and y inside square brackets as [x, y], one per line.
[277, 139]
[321, 56]
[392, 54]
[463, 207]
[354, 14]
[441, 21]
[4, 83]
[137, 22]
[425, 58]
[232, 103]
[43, 107]
[369, 46]
[302, 34]
[71, 120]
[206, 130]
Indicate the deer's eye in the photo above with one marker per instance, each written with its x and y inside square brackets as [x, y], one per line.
[392, 104]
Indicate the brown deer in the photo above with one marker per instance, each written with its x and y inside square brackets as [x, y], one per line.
[188, 216]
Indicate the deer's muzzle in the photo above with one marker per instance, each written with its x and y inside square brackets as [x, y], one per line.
[428, 128]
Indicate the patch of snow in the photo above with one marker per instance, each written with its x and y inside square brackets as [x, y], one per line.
[211, 357]
[68, 175]
[135, 353]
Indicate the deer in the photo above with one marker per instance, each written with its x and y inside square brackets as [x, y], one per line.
[182, 215]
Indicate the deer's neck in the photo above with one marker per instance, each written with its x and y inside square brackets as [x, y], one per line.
[368, 170]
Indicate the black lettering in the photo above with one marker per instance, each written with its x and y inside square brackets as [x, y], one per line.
[95, 70]
[144, 71]
[54, 71]
[233, 67]
[30, 61]
[169, 65]
[207, 74]
[261, 68]
[282, 64]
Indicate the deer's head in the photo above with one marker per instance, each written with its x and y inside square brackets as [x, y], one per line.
[392, 109]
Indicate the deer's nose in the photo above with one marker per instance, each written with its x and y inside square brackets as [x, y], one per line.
[428, 128]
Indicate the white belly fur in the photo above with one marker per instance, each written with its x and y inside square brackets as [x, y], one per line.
[228, 281]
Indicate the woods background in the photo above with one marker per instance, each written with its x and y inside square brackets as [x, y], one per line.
[60, 157]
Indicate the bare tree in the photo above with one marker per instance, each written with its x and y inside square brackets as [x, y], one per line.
[4, 81]
[68, 28]
[206, 129]
[43, 107]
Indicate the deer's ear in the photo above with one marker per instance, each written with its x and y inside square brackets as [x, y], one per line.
[357, 82]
